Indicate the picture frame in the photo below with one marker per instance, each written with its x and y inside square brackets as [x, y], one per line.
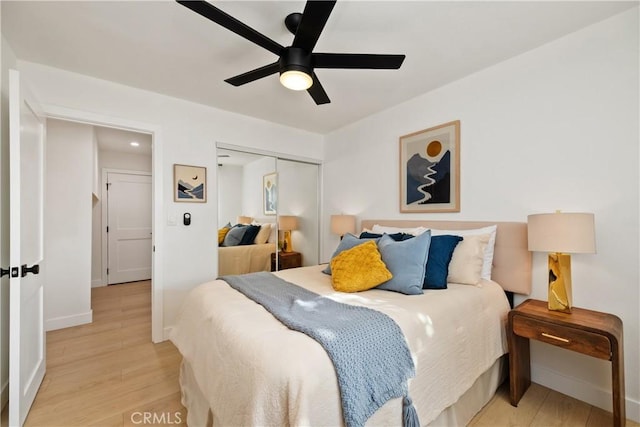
[189, 184]
[430, 170]
[270, 193]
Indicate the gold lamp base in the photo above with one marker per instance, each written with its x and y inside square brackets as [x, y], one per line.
[560, 282]
[286, 243]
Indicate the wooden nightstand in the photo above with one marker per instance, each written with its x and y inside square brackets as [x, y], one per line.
[589, 332]
[286, 260]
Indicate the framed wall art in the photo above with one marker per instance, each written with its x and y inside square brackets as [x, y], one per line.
[430, 169]
[189, 184]
[270, 193]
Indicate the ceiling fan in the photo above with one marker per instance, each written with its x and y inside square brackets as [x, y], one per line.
[296, 63]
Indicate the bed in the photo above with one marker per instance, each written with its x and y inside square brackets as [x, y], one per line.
[241, 366]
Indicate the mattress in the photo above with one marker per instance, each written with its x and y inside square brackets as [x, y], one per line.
[252, 370]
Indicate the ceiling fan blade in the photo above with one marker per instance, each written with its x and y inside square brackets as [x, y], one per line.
[253, 75]
[314, 17]
[317, 92]
[232, 24]
[357, 60]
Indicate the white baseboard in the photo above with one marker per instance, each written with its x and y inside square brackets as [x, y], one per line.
[96, 283]
[4, 396]
[581, 390]
[167, 332]
[68, 321]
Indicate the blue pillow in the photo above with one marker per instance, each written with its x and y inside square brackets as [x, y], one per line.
[251, 231]
[234, 236]
[398, 237]
[407, 261]
[440, 253]
[348, 241]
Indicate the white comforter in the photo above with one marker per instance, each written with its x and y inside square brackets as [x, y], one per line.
[255, 371]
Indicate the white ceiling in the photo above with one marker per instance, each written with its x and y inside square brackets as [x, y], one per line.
[164, 47]
[110, 139]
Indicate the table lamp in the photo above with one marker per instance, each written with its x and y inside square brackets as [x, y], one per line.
[560, 234]
[286, 223]
[343, 224]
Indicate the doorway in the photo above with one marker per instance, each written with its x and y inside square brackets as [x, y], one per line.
[77, 154]
[158, 333]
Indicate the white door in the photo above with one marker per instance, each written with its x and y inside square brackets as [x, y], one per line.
[27, 357]
[129, 227]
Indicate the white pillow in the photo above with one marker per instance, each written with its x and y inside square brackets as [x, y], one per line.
[263, 234]
[489, 249]
[273, 238]
[466, 263]
[381, 229]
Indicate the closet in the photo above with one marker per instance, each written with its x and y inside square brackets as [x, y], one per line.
[272, 191]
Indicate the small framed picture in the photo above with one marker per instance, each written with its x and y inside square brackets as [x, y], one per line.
[270, 193]
[430, 169]
[189, 184]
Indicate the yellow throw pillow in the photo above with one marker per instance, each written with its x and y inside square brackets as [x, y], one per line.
[358, 269]
[222, 234]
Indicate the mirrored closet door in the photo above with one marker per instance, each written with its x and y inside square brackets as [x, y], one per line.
[298, 209]
[268, 212]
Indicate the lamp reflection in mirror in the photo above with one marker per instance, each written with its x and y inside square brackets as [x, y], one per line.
[286, 223]
[560, 234]
[244, 220]
[343, 224]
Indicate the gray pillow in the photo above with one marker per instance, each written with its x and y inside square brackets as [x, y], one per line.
[348, 241]
[407, 261]
[234, 236]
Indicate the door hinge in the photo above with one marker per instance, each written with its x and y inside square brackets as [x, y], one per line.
[107, 228]
[107, 271]
[108, 184]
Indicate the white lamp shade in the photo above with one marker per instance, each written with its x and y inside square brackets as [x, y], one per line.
[343, 224]
[562, 232]
[287, 222]
[244, 220]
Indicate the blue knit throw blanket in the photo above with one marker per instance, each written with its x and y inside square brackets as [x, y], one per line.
[367, 348]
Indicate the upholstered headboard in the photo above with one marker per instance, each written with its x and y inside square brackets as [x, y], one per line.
[511, 260]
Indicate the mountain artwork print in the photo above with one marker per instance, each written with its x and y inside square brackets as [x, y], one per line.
[189, 183]
[429, 169]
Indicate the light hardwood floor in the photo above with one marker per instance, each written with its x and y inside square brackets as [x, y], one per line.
[108, 373]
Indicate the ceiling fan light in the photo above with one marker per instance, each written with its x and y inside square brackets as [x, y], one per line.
[296, 80]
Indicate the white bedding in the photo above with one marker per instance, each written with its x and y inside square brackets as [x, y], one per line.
[255, 371]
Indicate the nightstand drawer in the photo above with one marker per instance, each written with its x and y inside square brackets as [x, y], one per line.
[563, 336]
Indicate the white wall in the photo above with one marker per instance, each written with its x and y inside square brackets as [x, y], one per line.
[8, 60]
[67, 224]
[109, 160]
[230, 185]
[125, 161]
[186, 134]
[554, 128]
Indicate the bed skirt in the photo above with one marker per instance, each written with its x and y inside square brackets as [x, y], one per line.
[459, 414]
